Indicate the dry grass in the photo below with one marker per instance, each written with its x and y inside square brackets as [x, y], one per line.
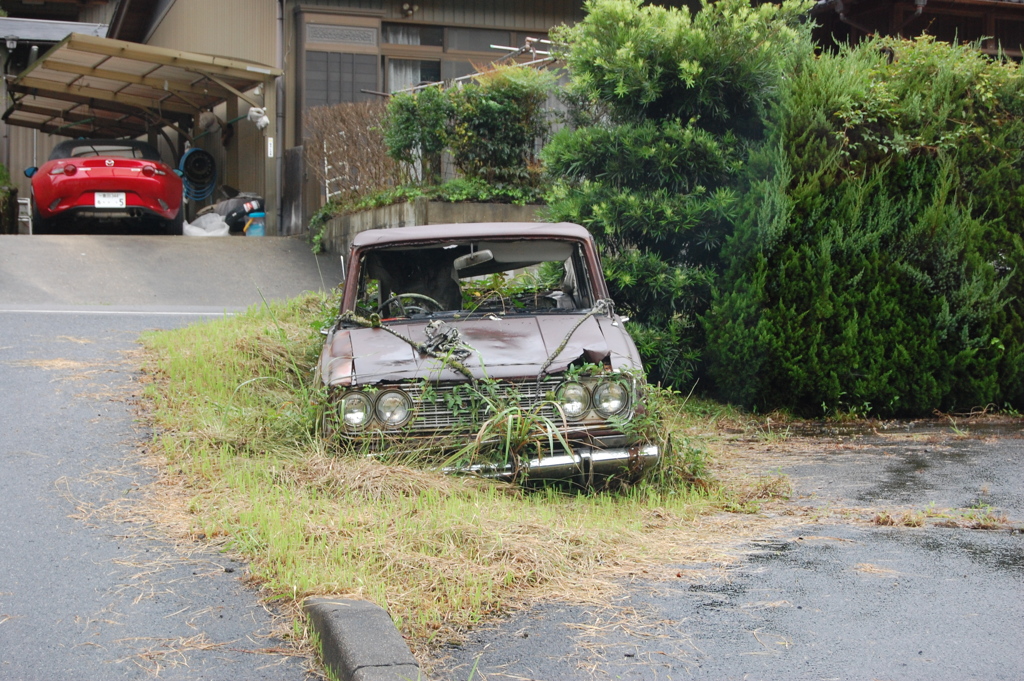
[596, 653]
[73, 339]
[979, 518]
[344, 148]
[869, 569]
[905, 518]
[766, 487]
[241, 467]
[66, 366]
[156, 655]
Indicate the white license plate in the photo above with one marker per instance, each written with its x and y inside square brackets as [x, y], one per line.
[110, 200]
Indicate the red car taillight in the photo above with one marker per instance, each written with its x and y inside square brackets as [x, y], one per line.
[70, 169]
[148, 171]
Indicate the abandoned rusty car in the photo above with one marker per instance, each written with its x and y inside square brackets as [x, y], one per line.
[497, 335]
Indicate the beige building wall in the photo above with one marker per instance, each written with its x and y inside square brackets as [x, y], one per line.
[249, 148]
[236, 29]
[97, 14]
[21, 142]
[239, 29]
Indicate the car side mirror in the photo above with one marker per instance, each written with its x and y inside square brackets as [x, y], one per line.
[470, 259]
[29, 172]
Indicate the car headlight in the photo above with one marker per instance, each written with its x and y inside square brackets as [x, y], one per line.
[610, 398]
[355, 409]
[393, 408]
[574, 398]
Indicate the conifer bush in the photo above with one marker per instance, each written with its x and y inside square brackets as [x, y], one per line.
[667, 104]
[875, 268]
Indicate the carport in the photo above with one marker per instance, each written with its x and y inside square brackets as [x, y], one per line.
[87, 86]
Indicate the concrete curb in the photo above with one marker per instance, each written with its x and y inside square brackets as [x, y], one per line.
[359, 642]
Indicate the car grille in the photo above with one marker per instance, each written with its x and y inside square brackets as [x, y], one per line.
[444, 407]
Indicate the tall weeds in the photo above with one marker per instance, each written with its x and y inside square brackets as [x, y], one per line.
[237, 417]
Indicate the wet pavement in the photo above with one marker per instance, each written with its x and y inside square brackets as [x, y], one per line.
[832, 596]
[90, 589]
[915, 465]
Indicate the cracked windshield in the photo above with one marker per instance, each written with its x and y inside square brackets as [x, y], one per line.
[462, 279]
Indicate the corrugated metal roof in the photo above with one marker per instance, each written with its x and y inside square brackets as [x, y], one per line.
[93, 86]
[43, 31]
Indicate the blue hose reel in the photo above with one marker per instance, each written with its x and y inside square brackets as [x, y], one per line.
[198, 174]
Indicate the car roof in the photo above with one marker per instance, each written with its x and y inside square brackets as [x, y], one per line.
[65, 148]
[477, 230]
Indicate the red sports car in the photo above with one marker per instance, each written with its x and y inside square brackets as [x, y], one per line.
[106, 181]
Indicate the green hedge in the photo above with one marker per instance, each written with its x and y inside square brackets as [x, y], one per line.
[876, 268]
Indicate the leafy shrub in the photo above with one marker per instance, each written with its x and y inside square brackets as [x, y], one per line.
[491, 126]
[497, 122]
[415, 130]
[474, 189]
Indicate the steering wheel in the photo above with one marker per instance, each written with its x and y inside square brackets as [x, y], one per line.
[427, 304]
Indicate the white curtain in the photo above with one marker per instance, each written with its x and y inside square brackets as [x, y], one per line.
[403, 74]
[402, 35]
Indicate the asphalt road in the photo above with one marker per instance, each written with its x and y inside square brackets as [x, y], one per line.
[83, 593]
[833, 596]
[86, 595]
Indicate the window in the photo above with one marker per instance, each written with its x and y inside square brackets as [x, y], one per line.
[404, 34]
[450, 70]
[336, 77]
[390, 56]
[407, 73]
[477, 39]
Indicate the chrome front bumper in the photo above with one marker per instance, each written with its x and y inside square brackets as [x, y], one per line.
[583, 464]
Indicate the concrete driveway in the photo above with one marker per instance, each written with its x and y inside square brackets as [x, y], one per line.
[227, 273]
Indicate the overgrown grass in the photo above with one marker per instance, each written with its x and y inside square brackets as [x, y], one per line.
[236, 411]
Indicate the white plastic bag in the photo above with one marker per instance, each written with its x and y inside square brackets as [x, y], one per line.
[259, 117]
[207, 224]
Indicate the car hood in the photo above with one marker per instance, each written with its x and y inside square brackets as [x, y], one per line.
[500, 348]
